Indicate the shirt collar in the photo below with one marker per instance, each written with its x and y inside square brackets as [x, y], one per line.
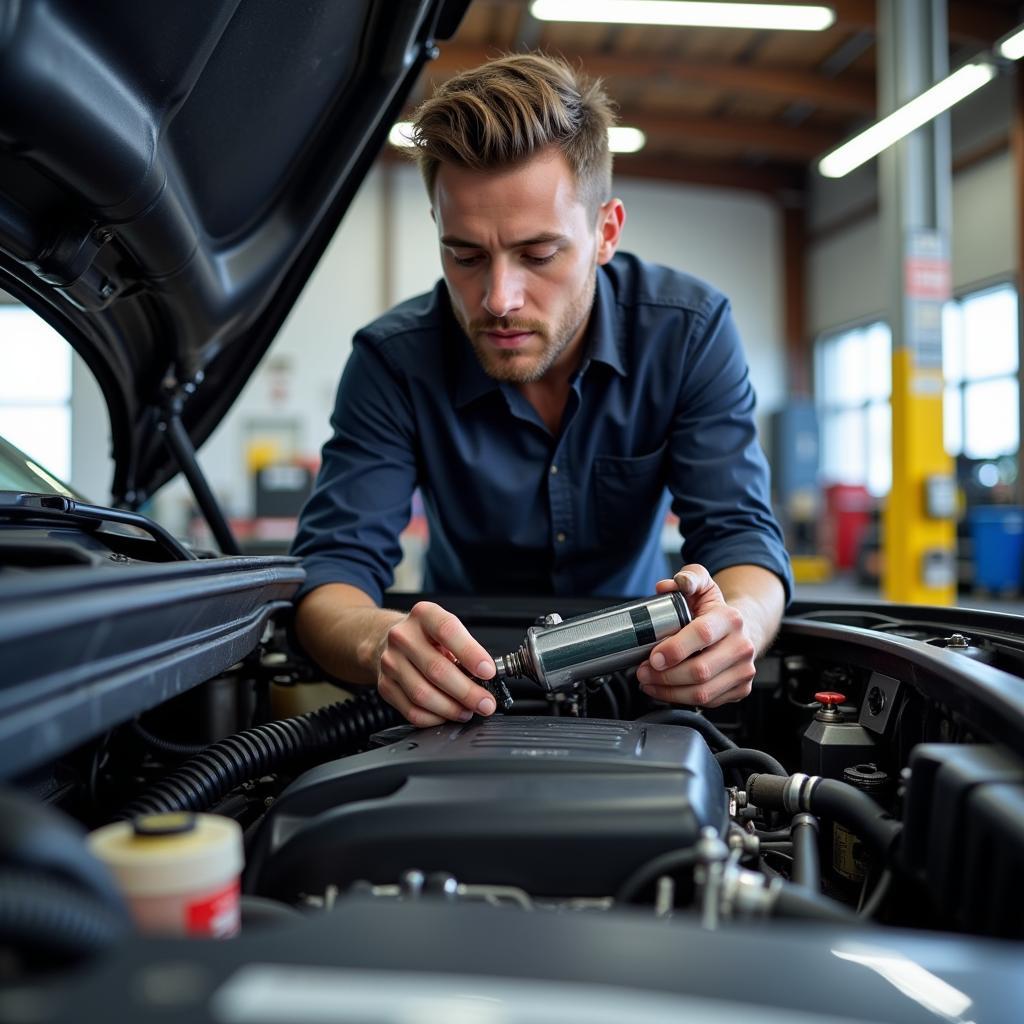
[605, 342]
[603, 345]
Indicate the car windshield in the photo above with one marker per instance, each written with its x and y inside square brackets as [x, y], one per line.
[19, 473]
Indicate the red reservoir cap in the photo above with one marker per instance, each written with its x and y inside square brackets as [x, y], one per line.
[830, 698]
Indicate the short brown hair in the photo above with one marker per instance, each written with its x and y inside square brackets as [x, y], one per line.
[507, 110]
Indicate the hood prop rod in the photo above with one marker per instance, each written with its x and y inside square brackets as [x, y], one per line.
[180, 444]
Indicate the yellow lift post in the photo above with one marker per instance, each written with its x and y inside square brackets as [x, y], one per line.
[915, 175]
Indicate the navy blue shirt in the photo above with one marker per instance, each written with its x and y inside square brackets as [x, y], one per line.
[660, 412]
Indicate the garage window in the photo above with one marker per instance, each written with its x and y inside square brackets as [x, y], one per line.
[980, 410]
[981, 419]
[853, 387]
[35, 389]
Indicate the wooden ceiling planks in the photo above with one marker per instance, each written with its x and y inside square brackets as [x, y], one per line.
[742, 98]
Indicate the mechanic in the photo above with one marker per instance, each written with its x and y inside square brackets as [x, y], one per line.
[550, 398]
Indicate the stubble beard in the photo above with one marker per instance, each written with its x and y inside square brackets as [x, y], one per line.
[514, 367]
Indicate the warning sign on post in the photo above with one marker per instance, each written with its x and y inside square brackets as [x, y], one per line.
[927, 286]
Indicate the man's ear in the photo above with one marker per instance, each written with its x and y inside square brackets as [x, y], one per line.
[611, 218]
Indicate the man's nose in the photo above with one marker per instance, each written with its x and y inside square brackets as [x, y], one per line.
[504, 290]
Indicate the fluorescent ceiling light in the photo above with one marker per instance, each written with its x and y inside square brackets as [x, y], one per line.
[621, 139]
[1012, 47]
[401, 134]
[626, 140]
[687, 12]
[920, 110]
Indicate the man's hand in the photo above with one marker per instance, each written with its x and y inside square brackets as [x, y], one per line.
[418, 674]
[710, 661]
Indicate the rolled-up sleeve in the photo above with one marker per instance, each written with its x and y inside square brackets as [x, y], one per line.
[718, 474]
[349, 529]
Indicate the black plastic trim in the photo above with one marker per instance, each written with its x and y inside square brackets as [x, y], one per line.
[83, 650]
[990, 699]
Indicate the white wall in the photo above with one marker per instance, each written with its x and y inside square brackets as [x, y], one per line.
[386, 250]
[984, 222]
[729, 238]
[845, 268]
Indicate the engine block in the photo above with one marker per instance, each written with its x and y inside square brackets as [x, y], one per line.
[556, 806]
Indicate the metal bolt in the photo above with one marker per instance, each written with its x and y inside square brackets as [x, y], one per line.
[958, 640]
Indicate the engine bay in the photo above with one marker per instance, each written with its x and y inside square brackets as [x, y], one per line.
[872, 783]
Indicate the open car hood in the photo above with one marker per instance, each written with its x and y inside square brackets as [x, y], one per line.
[170, 174]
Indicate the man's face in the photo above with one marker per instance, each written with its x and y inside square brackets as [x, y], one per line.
[519, 253]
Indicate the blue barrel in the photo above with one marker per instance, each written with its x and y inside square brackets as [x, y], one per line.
[997, 532]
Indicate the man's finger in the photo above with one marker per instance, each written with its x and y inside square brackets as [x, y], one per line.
[422, 691]
[702, 632]
[735, 693]
[391, 692]
[702, 694]
[431, 659]
[733, 650]
[448, 631]
[692, 579]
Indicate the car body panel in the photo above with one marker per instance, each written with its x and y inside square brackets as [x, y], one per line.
[171, 174]
[483, 960]
[84, 650]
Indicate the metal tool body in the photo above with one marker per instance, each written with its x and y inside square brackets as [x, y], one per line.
[557, 654]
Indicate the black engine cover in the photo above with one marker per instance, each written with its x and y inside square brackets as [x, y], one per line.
[556, 806]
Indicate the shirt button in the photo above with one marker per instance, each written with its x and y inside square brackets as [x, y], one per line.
[560, 538]
[554, 470]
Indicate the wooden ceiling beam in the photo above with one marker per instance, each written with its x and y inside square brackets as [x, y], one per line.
[795, 143]
[852, 93]
[770, 179]
[970, 21]
[974, 21]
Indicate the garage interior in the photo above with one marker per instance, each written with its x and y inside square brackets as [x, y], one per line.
[821, 273]
[565, 834]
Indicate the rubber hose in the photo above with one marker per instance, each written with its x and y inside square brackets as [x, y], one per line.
[51, 919]
[827, 798]
[775, 835]
[796, 901]
[806, 861]
[170, 747]
[744, 757]
[716, 739]
[293, 743]
[664, 864]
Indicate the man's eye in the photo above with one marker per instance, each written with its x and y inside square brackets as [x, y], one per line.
[465, 261]
[539, 260]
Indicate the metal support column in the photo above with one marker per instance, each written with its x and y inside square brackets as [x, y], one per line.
[1017, 147]
[919, 549]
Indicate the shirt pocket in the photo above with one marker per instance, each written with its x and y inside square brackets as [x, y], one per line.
[627, 490]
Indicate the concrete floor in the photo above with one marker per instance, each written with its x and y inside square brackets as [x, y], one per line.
[848, 589]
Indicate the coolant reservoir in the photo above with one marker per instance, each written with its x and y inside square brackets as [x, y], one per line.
[832, 742]
[180, 872]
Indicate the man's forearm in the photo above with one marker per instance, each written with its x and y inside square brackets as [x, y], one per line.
[343, 631]
[759, 595]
